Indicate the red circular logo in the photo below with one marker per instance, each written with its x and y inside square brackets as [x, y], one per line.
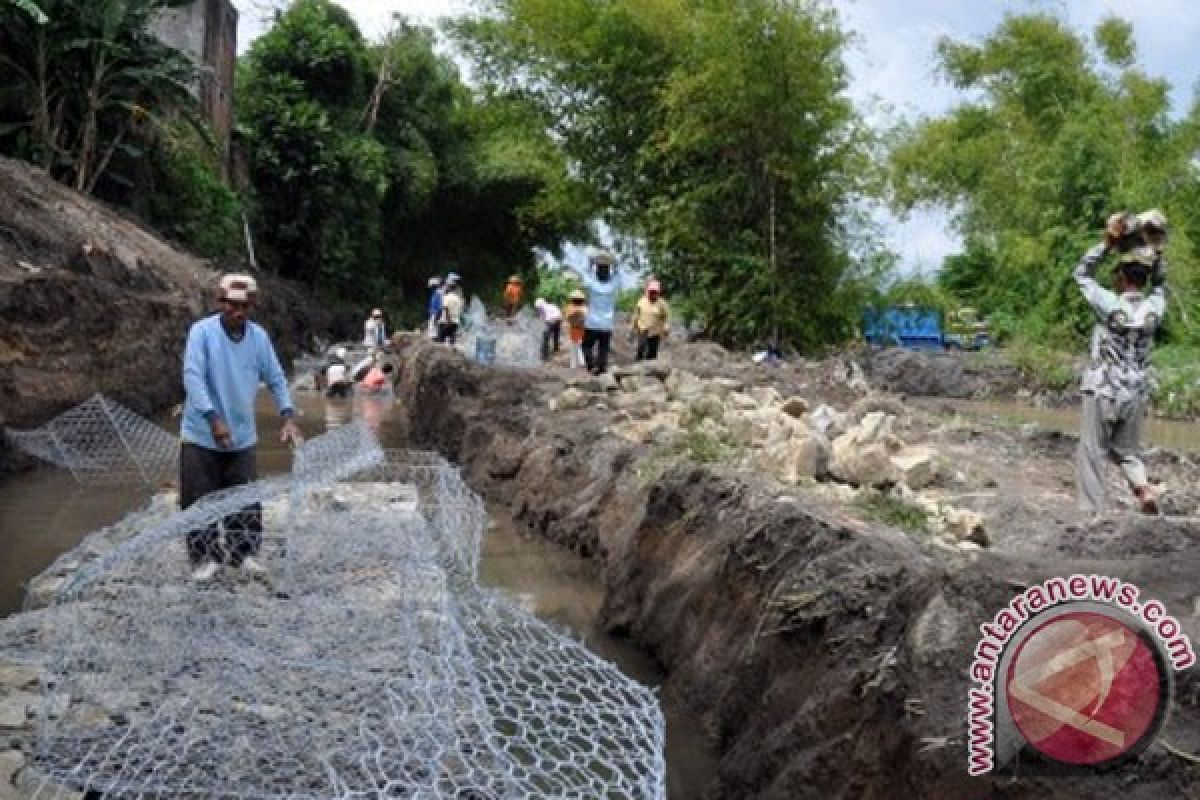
[1085, 688]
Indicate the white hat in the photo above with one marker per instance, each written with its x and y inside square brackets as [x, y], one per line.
[238, 288]
[434, 281]
[376, 313]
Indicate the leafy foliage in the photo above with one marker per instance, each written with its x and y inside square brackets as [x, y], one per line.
[86, 84]
[373, 167]
[718, 133]
[555, 284]
[189, 202]
[1056, 137]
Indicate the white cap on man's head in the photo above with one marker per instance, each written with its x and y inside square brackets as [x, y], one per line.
[238, 288]
[603, 257]
[376, 313]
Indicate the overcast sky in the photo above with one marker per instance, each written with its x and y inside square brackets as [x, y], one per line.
[892, 61]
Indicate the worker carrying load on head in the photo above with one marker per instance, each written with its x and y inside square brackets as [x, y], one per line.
[1116, 383]
[650, 322]
[602, 286]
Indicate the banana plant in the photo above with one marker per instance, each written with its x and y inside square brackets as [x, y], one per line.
[90, 80]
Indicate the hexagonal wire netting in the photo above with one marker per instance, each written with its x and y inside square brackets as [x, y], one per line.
[515, 342]
[367, 663]
[103, 443]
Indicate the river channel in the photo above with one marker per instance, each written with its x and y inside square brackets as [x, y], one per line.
[44, 513]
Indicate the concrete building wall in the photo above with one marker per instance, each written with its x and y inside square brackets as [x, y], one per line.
[207, 31]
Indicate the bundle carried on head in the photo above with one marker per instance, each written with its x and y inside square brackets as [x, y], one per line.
[1139, 240]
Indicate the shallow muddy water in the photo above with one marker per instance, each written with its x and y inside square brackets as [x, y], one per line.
[1171, 434]
[44, 513]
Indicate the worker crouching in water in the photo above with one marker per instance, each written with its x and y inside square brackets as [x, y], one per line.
[1116, 384]
[651, 321]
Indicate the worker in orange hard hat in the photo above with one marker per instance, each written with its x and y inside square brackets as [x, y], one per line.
[512, 295]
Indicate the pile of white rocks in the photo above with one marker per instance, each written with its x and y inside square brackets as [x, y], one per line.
[776, 436]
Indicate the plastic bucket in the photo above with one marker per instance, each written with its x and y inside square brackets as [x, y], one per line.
[485, 349]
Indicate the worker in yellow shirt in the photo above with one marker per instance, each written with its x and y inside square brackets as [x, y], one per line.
[651, 321]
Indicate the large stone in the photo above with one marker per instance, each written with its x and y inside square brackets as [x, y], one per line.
[872, 428]
[747, 428]
[11, 762]
[18, 676]
[658, 429]
[965, 525]
[802, 458]
[571, 399]
[743, 401]
[861, 465]
[916, 467]
[794, 407]
[726, 386]
[827, 420]
[15, 709]
[683, 385]
[862, 455]
[763, 426]
[766, 396]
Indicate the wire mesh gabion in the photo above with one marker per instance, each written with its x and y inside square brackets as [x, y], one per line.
[103, 443]
[368, 662]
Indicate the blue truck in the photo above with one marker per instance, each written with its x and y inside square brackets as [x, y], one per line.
[911, 327]
[925, 328]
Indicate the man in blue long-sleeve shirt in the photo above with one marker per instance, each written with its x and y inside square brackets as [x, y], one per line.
[226, 357]
[602, 287]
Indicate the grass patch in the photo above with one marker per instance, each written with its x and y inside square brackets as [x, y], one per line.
[703, 448]
[1043, 366]
[894, 512]
[1178, 392]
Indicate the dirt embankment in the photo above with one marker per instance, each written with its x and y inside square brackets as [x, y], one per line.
[827, 654]
[91, 302]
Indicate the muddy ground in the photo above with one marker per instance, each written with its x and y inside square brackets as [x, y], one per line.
[92, 302]
[827, 652]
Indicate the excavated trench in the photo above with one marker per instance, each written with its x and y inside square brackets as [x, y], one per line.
[825, 656]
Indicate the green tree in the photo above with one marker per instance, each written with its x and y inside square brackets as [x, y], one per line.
[85, 84]
[718, 133]
[1057, 136]
[373, 166]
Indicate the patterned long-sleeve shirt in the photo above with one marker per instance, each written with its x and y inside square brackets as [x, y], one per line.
[1123, 334]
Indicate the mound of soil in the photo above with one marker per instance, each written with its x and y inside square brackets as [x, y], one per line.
[92, 302]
